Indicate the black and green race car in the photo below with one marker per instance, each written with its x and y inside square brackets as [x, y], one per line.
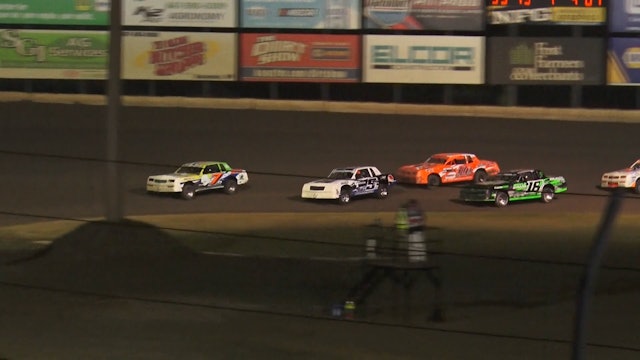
[515, 185]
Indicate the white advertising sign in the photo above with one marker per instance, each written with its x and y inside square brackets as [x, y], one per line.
[187, 13]
[150, 55]
[424, 59]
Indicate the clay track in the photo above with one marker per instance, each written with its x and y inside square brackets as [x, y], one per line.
[52, 154]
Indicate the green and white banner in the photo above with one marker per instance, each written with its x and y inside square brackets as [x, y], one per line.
[55, 12]
[53, 54]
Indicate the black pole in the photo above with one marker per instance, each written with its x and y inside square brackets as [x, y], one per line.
[587, 283]
[113, 186]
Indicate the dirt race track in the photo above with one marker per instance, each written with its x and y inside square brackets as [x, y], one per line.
[175, 304]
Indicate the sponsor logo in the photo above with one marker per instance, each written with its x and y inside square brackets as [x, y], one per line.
[256, 11]
[70, 47]
[632, 6]
[631, 58]
[330, 53]
[539, 63]
[298, 12]
[149, 14]
[268, 49]
[416, 57]
[177, 55]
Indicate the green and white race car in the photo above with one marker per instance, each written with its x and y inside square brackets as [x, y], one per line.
[515, 185]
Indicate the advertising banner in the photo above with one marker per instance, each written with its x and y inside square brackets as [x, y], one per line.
[300, 58]
[624, 16]
[55, 12]
[185, 13]
[151, 55]
[424, 59]
[547, 12]
[545, 61]
[301, 14]
[53, 54]
[623, 60]
[424, 14]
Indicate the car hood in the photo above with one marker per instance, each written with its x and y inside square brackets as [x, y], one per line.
[419, 166]
[626, 171]
[326, 181]
[174, 176]
[490, 184]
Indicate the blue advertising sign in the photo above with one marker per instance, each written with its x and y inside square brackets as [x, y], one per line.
[624, 16]
[623, 60]
[301, 14]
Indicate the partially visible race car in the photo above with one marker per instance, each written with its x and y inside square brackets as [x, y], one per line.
[628, 178]
[346, 182]
[445, 168]
[515, 185]
[194, 177]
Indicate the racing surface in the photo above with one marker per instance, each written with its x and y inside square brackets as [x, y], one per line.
[107, 293]
[53, 156]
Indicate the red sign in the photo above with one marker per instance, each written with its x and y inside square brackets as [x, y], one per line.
[300, 58]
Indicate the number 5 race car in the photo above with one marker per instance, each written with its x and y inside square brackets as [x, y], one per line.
[515, 185]
[194, 177]
[628, 178]
[447, 168]
[344, 183]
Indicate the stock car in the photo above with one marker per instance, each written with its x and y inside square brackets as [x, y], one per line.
[346, 182]
[515, 185]
[194, 177]
[628, 178]
[444, 168]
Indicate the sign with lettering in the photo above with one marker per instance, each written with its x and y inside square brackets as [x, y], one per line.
[424, 59]
[203, 56]
[545, 61]
[53, 54]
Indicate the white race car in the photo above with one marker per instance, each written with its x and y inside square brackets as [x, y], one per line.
[628, 178]
[198, 176]
[344, 183]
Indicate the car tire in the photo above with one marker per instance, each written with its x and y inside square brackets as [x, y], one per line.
[188, 191]
[480, 176]
[502, 199]
[547, 194]
[636, 189]
[345, 196]
[383, 191]
[434, 180]
[230, 186]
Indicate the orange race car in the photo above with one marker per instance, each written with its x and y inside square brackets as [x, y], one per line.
[447, 168]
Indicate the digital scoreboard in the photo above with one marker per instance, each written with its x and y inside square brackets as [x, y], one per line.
[547, 12]
[529, 3]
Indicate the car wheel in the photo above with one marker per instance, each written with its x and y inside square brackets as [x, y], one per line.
[230, 186]
[434, 180]
[345, 196]
[547, 194]
[480, 176]
[188, 191]
[502, 199]
[382, 192]
[636, 189]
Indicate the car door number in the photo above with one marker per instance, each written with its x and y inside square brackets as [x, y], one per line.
[368, 184]
[533, 186]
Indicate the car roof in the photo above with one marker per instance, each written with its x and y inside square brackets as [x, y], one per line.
[352, 168]
[517, 171]
[449, 154]
[203, 163]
